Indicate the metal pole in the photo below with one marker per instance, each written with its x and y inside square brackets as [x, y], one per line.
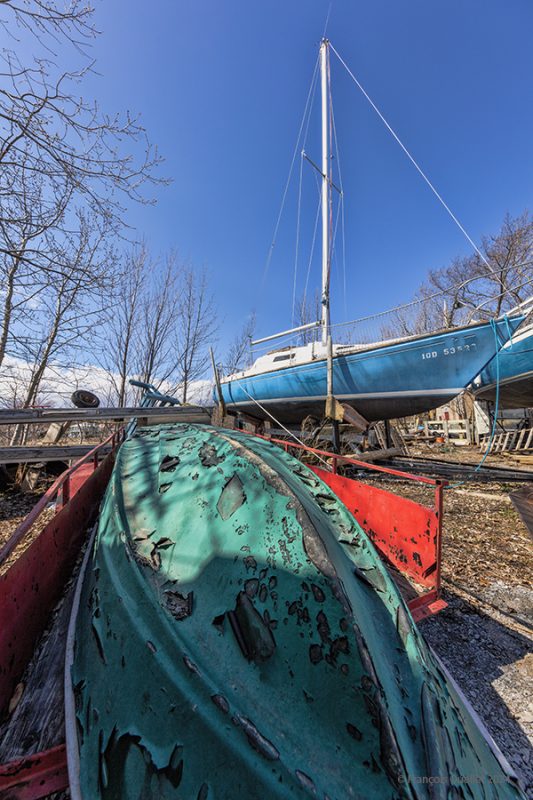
[324, 74]
[217, 383]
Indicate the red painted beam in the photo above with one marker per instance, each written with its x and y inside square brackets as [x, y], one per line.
[337, 459]
[32, 586]
[407, 534]
[35, 776]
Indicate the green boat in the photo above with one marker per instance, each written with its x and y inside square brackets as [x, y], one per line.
[237, 636]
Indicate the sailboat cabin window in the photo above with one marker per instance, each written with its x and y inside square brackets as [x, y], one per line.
[284, 357]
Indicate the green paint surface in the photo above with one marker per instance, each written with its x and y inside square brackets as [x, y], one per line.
[238, 637]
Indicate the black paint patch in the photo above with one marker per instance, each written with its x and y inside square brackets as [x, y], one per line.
[220, 702]
[318, 594]
[208, 456]
[250, 563]
[231, 498]
[218, 622]
[251, 586]
[252, 633]
[179, 605]
[354, 732]
[256, 739]
[169, 463]
[315, 653]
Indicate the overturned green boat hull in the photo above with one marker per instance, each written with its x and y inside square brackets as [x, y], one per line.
[238, 637]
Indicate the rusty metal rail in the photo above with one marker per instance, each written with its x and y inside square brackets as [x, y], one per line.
[46, 453]
[44, 416]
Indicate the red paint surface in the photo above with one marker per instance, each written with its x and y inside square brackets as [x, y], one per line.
[35, 776]
[32, 586]
[405, 532]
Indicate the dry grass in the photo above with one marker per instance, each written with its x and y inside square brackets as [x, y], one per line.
[484, 538]
[14, 508]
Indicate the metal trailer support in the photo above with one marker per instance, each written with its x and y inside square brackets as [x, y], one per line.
[29, 590]
[35, 776]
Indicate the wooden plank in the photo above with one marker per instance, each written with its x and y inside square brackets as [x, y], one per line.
[354, 418]
[376, 455]
[37, 722]
[26, 455]
[41, 416]
[520, 439]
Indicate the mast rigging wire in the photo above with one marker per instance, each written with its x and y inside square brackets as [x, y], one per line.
[310, 97]
[410, 157]
[440, 293]
[272, 417]
[297, 246]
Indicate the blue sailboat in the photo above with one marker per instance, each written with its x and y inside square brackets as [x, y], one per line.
[383, 380]
[514, 372]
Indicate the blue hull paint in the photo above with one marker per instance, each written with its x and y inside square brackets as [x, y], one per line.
[515, 374]
[385, 382]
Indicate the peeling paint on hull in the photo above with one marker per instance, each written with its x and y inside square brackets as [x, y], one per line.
[238, 636]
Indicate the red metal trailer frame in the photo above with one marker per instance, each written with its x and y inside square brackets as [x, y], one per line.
[30, 589]
[407, 534]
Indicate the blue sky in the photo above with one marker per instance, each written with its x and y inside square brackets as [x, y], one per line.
[221, 87]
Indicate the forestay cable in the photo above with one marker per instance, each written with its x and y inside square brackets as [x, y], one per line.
[410, 157]
[284, 197]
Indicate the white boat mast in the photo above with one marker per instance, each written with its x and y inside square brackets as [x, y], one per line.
[324, 322]
[326, 186]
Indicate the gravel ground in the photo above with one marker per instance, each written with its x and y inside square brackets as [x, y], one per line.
[491, 659]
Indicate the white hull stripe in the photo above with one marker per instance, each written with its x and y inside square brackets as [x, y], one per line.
[366, 396]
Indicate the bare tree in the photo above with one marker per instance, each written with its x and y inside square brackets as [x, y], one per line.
[238, 354]
[160, 328]
[472, 287]
[123, 328]
[69, 308]
[61, 160]
[196, 328]
[156, 334]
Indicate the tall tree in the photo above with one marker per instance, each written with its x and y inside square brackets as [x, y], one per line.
[473, 287]
[61, 158]
[124, 326]
[197, 325]
[239, 350]
[155, 345]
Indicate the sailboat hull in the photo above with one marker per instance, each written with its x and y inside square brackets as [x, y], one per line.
[385, 382]
[514, 373]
